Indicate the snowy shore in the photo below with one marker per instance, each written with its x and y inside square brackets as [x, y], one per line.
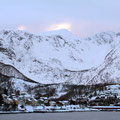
[56, 111]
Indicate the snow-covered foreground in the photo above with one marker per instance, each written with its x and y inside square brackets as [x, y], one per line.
[69, 108]
[47, 109]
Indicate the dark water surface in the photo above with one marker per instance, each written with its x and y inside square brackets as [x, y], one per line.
[63, 116]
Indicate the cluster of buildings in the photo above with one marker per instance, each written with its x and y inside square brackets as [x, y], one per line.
[17, 103]
[21, 102]
[109, 97]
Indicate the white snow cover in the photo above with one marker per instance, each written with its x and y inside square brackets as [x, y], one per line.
[45, 57]
[19, 84]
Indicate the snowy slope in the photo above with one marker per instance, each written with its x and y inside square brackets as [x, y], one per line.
[59, 56]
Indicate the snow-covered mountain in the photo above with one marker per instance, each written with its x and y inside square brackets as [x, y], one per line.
[59, 56]
[12, 72]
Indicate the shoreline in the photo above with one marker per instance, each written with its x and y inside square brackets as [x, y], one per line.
[26, 112]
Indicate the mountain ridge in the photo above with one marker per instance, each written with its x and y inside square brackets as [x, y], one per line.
[59, 58]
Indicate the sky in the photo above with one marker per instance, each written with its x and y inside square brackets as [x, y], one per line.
[82, 17]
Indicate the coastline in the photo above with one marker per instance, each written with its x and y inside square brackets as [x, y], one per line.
[25, 112]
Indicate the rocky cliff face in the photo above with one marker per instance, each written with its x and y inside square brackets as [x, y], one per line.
[12, 72]
[60, 57]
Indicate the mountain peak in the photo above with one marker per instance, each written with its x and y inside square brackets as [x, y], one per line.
[62, 32]
[44, 57]
[54, 32]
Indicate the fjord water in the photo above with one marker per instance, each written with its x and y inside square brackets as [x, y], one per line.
[63, 116]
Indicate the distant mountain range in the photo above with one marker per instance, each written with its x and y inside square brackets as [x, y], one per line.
[60, 57]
